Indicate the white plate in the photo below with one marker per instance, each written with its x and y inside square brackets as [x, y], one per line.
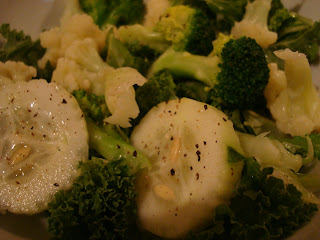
[33, 16]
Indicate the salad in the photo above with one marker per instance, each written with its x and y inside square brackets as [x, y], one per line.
[167, 119]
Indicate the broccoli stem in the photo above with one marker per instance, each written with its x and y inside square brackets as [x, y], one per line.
[112, 148]
[184, 64]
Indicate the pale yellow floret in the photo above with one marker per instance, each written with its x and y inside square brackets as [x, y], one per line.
[83, 68]
[11, 72]
[76, 27]
[254, 24]
[296, 109]
[276, 84]
[154, 9]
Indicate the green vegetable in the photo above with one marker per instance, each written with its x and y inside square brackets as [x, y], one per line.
[254, 23]
[159, 88]
[113, 148]
[262, 208]
[20, 47]
[294, 31]
[189, 29]
[100, 204]
[119, 55]
[238, 77]
[229, 11]
[114, 12]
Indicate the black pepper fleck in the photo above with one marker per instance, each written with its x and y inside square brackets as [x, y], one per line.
[64, 101]
[172, 172]
[135, 153]
[198, 176]
[56, 184]
[198, 154]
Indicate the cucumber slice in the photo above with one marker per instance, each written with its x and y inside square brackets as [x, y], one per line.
[188, 144]
[43, 138]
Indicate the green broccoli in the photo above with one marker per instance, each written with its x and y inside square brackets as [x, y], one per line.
[114, 12]
[229, 11]
[189, 29]
[263, 207]
[120, 55]
[108, 140]
[159, 88]
[294, 31]
[20, 47]
[237, 78]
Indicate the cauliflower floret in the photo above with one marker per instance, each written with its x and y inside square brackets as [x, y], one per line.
[76, 27]
[83, 68]
[255, 24]
[154, 9]
[295, 105]
[11, 72]
[277, 82]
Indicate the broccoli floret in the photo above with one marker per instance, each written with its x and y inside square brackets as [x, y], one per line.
[20, 47]
[100, 204]
[92, 105]
[237, 78]
[142, 42]
[229, 12]
[244, 74]
[159, 88]
[294, 31]
[119, 55]
[189, 29]
[114, 12]
[263, 207]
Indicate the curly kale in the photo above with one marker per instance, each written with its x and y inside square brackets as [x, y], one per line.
[100, 204]
[21, 48]
[263, 207]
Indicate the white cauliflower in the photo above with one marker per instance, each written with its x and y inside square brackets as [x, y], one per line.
[154, 9]
[75, 27]
[295, 105]
[83, 68]
[11, 72]
[255, 24]
[277, 82]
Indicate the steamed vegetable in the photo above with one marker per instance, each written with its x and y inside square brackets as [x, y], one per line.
[237, 78]
[113, 12]
[83, 68]
[44, 137]
[100, 205]
[274, 209]
[255, 23]
[21, 48]
[189, 29]
[196, 163]
[296, 106]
